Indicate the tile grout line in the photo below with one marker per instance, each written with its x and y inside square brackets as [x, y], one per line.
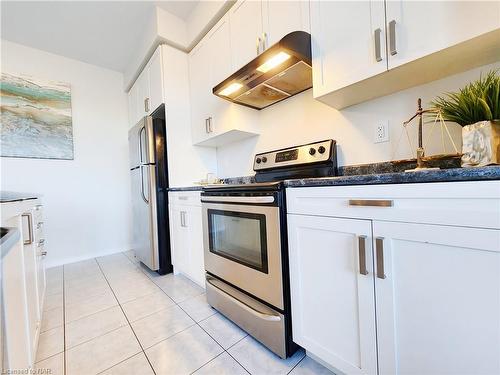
[224, 350]
[125, 315]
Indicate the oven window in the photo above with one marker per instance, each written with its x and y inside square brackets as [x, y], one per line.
[239, 236]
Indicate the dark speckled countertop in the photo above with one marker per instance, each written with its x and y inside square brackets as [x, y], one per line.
[383, 173]
[439, 175]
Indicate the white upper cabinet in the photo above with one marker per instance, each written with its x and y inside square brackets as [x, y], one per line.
[357, 44]
[200, 91]
[155, 78]
[419, 28]
[246, 31]
[146, 94]
[348, 43]
[438, 305]
[282, 17]
[215, 121]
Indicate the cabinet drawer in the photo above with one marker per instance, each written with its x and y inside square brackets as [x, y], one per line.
[471, 204]
[185, 198]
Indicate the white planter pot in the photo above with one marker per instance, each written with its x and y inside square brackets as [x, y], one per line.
[481, 144]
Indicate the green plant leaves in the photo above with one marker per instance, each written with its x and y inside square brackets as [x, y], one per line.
[478, 101]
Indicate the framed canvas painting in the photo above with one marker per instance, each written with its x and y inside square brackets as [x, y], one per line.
[35, 118]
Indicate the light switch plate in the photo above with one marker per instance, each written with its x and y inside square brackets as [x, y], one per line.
[381, 132]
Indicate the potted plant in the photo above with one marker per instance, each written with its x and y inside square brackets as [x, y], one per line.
[476, 107]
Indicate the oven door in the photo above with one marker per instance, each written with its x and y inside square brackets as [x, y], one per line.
[242, 244]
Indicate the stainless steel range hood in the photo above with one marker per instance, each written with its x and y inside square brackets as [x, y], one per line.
[281, 71]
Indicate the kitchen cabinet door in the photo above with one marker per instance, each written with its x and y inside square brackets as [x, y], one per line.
[195, 227]
[246, 31]
[142, 84]
[283, 17]
[421, 27]
[200, 91]
[155, 79]
[348, 43]
[31, 281]
[332, 297]
[179, 239]
[438, 305]
[132, 106]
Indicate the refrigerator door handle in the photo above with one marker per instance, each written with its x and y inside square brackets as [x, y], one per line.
[142, 186]
[141, 151]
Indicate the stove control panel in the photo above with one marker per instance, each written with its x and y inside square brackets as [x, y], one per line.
[300, 155]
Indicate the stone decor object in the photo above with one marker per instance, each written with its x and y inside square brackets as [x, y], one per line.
[481, 144]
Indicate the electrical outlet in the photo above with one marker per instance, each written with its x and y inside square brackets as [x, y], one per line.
[381, 132]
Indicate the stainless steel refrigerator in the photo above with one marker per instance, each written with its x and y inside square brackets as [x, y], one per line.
[149, 176]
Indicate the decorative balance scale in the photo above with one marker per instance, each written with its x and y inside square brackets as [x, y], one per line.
[421, 158]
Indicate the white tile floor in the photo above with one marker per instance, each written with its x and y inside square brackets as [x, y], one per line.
[111, 315]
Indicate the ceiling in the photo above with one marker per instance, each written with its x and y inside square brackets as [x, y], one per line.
[103, 33]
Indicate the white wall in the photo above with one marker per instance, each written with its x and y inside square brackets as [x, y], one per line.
[302, 119]
[86, 201]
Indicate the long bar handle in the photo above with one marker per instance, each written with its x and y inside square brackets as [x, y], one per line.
[362, 255]
[378, 53]
[29, 241]
[371, 202]
[379, 247]
[243, 305]
[183, 219]
[207, 130]
[142, 186]
[392, 38]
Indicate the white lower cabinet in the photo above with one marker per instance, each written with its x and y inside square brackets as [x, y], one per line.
[23, 283]
[333, 305]
[438, 307]
[414, 297]
[186, 235]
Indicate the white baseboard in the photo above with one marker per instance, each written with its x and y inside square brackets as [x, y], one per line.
[56, 263]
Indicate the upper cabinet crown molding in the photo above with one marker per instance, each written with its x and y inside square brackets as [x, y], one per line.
[394, 45]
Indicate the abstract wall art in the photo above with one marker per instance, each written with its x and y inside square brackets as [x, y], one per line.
[35, 118]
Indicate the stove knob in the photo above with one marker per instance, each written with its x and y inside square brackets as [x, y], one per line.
[258, 160]
[312, 151]
[321, 149]
[264, 159]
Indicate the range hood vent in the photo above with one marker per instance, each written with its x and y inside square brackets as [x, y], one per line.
[281, 71]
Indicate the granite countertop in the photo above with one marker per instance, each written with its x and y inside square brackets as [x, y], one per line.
[438, 175]
[186, 188]
[12, 196]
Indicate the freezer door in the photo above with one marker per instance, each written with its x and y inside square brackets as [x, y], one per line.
[142, 143]
[144, 223]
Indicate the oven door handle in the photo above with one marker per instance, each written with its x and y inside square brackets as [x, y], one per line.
[243, 305]
[231, 199]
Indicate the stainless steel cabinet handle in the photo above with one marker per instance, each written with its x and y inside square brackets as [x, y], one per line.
[43, 253]
[265, 43]
[371, 202]
[146, 105]
[210, 130]
[392, 38]
[29, 241]
[257, 44]
[183, 219]
[362, 255]
[378, 53]
[39, 225]
[206, 126]
[379, 247]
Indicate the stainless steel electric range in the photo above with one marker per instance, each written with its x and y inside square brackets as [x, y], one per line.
[245, 242]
